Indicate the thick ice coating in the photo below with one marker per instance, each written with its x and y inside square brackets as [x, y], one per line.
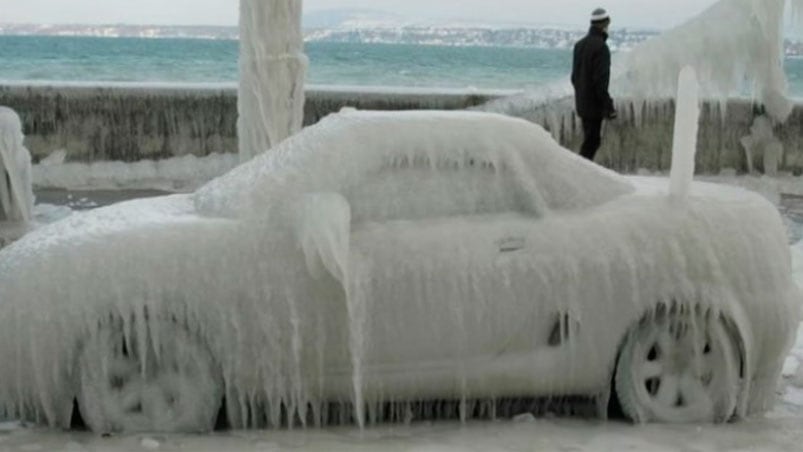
[375, 265]
[687, 123]
[272, 71]
[16, 192]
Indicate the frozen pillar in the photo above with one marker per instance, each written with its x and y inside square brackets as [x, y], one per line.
[684, 142]
[16, 193]
[272, 71]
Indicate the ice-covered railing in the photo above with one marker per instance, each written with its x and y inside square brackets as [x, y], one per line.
[16, 194]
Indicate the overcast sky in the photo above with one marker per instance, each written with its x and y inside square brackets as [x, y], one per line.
[630, 13]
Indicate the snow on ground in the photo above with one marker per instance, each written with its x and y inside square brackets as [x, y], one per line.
[782, 432]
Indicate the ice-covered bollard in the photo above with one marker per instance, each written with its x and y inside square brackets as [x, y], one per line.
[16, 192]
[762, 142]
[684, 141]
[272, 70]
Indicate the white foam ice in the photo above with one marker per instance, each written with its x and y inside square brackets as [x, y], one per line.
[16, 192]
[272, 71]
[763, 143]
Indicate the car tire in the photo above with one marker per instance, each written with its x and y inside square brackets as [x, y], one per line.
[173, 386]
[679, 365]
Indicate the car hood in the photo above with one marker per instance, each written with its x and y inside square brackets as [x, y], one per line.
[119, 241]
[94, 224]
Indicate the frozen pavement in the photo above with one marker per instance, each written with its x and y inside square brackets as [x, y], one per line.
[779, 432]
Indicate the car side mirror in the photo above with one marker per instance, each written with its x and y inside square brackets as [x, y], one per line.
[324, 233]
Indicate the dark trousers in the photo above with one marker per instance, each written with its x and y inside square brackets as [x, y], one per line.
[592, 130]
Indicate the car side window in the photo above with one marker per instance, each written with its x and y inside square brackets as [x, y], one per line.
[415, 188]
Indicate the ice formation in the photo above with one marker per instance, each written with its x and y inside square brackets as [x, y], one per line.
[392, 266]
[733, 43]
[735, 47]
[763, 143]
[272, 71]
[684, 146]
[16, 192]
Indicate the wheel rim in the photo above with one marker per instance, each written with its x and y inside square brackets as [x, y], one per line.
[683, 369]
[170, 387]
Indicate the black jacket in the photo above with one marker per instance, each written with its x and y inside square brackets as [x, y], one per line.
[591, 75]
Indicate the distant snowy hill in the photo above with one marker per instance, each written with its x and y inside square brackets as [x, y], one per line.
[374, 26]
[351, 18]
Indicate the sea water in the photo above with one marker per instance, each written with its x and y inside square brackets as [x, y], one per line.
[47, 58]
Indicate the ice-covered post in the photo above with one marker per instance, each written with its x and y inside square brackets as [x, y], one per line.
[684, 141]
[272, 71]
[16, 194]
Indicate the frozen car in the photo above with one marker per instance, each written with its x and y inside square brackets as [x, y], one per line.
[382, 260]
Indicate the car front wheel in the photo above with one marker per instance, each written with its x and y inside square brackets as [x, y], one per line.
[679, 365]
[163, 382]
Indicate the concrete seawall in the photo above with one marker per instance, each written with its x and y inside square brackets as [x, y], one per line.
[129, 123]
[134, 122]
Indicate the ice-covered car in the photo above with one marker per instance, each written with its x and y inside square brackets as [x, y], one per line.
[377, 261]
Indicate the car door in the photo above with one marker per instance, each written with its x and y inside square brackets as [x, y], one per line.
[432, 265]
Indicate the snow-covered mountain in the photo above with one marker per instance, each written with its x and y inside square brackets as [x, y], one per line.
[374, 26]
[352, 19]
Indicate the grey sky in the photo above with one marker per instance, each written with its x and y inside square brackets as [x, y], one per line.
[631, 13]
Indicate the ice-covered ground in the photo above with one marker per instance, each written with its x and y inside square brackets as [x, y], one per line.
[781, 429]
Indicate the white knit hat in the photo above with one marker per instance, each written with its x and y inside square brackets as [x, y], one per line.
[599, 15]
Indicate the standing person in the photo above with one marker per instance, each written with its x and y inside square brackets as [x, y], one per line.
[591, 74]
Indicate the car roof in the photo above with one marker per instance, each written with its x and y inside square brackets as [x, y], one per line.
[343, 147]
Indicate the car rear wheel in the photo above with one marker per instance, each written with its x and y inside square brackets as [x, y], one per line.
[165, 382]
[679, 365]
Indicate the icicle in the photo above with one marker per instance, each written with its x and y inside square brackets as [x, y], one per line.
[684, 142]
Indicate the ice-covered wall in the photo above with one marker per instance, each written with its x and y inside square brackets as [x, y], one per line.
[129, 123]
[133, 122]
[122, 122]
